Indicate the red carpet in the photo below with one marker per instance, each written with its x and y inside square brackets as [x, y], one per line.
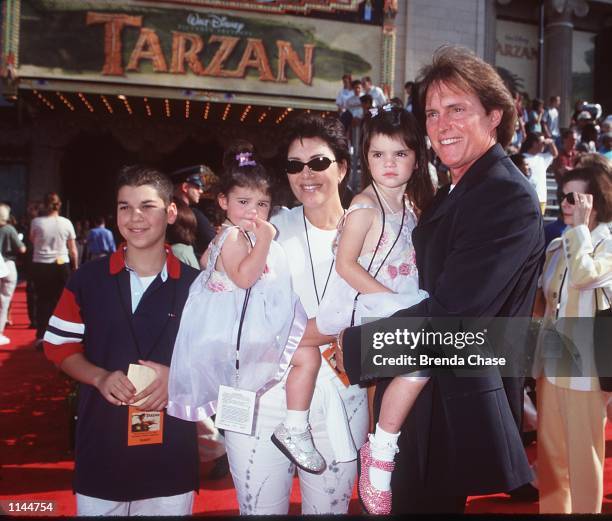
[36, 462]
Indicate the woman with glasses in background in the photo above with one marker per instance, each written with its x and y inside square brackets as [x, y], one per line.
[576, 282]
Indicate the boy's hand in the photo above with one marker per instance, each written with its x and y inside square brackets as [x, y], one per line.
[115, 387]
[156, 394]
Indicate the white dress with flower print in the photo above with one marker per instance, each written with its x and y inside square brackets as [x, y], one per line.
[398, 273]
[204, 355]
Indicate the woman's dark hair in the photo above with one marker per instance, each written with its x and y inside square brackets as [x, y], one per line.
[242, 168]
[594, 160]
[329, 130]
[52, 203]
[184, 229]
[599, 185]
[460, 68]
[397, 122]
[536, 104]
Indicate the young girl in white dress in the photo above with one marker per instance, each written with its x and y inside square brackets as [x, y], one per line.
[376, 273]
[242, 322]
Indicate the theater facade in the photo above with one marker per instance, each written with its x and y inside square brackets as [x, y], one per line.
[89, 86]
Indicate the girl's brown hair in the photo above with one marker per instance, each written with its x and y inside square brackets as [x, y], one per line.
[184, 229]
[396, 122]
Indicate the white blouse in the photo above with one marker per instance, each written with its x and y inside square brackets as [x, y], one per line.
[587, 270]
[330, 393]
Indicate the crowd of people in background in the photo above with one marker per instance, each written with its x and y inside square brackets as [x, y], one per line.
[356, 98]
[545, 152]
[540, 147]
[46, 247]
[569, 170]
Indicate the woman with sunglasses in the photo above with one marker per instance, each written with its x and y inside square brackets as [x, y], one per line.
[316, 159]
[576, 282]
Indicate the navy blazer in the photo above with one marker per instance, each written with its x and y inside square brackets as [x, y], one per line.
[478, 251]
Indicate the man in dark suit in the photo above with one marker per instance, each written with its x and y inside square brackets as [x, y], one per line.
[478, 251]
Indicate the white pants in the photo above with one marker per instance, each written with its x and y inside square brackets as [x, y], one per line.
[180, 505]
[263, 475]
[571, 449]
[7, 288]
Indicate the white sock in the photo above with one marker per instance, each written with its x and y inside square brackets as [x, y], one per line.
[383, 445]
[297, 421]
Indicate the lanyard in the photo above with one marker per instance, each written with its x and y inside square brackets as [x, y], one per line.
[242, 315]
[382, 232]
[129, 318]
[314, 280]
[244, 304]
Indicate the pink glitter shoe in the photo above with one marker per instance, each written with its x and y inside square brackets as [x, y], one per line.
[374, 501]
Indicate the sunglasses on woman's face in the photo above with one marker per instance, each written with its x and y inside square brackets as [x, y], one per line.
[318, 164]
[570, 198]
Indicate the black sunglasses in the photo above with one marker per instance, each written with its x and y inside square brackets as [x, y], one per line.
[318, 164]
[570, 198]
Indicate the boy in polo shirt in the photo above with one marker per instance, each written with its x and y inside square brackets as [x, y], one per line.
[120, 310]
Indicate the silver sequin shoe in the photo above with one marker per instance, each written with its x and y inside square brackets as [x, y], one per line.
[299, 448]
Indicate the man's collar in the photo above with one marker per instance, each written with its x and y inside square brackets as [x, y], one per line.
[482, 165]
[163, 273]
[117, 261]
[444, 198]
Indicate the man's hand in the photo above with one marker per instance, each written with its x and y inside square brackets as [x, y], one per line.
[156, 393]
[115, 387]
[338, 352]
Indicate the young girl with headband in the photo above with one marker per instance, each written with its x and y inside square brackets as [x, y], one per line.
[242, 321]
[376, 273]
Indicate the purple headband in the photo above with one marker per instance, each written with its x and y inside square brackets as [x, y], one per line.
[245, 159]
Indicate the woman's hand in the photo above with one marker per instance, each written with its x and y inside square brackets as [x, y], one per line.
[582, 208]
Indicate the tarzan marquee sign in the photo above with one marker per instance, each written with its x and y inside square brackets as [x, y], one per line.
[230, 51]
[186, 48]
